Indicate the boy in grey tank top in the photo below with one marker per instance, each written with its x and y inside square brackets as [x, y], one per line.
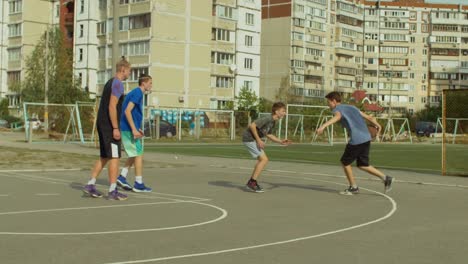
[359, 144]
[253, 141]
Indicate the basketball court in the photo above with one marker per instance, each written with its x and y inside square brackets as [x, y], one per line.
[200, 212]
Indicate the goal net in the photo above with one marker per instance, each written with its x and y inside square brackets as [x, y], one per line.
[454, 128]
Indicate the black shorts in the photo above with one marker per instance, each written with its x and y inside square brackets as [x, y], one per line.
[110, 148]
[358, 152]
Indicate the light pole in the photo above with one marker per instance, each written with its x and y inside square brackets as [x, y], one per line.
[46, 77]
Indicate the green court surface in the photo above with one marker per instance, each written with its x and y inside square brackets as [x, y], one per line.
[411, 157]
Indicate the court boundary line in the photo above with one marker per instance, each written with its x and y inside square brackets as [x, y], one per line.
[197, 200]
[217, 252]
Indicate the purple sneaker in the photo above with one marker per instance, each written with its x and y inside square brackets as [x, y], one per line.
[116, 195]
[90, 189]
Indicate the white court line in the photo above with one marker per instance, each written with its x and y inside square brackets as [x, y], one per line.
[4, 195]
[221, 217]
[47, 194]
[39, 170]
[198, 201]
[388, 215]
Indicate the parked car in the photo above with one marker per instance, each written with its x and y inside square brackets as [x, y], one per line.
[425, 128]
[166, 129]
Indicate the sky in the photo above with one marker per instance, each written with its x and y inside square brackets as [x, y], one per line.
[464, 2]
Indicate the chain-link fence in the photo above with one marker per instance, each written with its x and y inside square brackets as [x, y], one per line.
[454, 124]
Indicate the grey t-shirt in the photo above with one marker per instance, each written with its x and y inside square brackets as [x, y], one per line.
[352, 120]
[265, 126]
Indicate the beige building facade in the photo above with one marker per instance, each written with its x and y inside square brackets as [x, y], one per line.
[402, 53]
[22, 25]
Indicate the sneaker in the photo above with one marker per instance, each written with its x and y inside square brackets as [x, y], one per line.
[140, 187]
[91, 190]
[253, 186]
[122, 182]
[116, 195]
[388, 183]
[350, 191]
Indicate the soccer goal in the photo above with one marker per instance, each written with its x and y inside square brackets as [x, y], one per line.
[395, 129]
[59, 122]
[454, 128]
[302, 121]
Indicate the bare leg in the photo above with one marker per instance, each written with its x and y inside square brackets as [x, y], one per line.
[113, 170]
[349, 174]
[138, 161]
[98, 166]
[372, 170]
[262, 161]
[129, 162]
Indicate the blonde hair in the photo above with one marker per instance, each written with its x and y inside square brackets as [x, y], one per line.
[122, 64]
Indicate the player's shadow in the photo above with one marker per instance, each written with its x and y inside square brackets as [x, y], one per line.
[271, 186]
[319, 188]
[228, 184]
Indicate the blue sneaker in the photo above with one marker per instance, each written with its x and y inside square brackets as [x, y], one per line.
[140, 187]
[122, 182]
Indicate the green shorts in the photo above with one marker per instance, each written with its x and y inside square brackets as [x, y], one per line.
[133, 147]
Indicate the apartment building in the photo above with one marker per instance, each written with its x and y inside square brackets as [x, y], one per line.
[402, 53]
[199, 54]
[22, 24]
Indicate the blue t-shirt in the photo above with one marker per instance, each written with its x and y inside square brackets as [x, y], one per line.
[354, 123]
[136, 97]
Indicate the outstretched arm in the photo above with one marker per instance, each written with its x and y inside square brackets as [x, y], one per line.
[335, 118]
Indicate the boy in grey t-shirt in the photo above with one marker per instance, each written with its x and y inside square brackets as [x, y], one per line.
[252, 139]
[359, 145]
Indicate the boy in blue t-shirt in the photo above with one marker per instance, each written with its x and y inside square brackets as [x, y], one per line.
[130, 125]
[359, 145]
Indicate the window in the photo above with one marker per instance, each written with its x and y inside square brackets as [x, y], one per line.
[16, 6]
[135, 22]
[248, 63]
[248, 85]
[225, 12]
[102, 53]
[411, 75]
[14, 30]
[413, 27]
[222, 58]
[137, 72]
[82, 6]
[14, 54]
[13, 77]
[248, 41]
[413, 15]
[249, 19]
[298, 78]
[221, 34]
[135, 48]
[102, 4]
[411, 99]
[80, 54]
[101, 28]
[424, 28]
[124, 2]
[81, 30]
[224, 82]
[412, 39]
[425, 51]
[370, 48]
[423, 100]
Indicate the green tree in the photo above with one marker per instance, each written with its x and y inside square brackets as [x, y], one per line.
[62, 88]
[430, 113]
[3, 107]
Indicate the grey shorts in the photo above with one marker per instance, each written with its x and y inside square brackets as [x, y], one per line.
[253, 149]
